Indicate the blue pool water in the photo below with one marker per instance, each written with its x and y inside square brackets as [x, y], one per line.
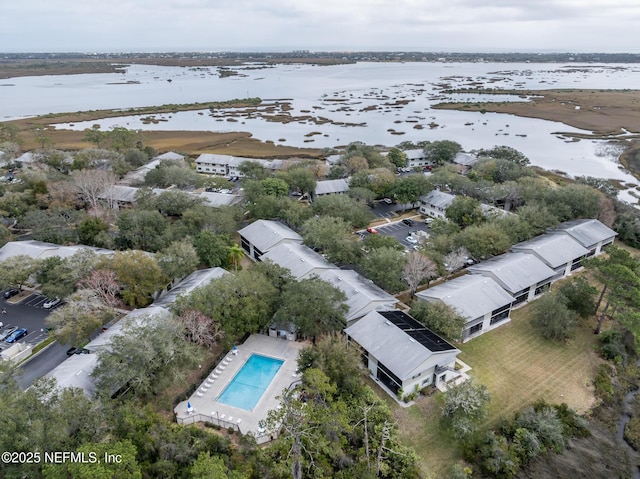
[248, 385]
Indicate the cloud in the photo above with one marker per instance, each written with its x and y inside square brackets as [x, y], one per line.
[584, 25]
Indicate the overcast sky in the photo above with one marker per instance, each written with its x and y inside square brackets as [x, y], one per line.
[223, 25]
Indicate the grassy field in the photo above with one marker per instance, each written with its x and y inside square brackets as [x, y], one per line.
[519, 367]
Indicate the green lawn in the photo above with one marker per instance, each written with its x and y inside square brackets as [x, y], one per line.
[519, 367]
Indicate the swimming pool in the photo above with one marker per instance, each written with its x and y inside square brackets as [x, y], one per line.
[248, 385]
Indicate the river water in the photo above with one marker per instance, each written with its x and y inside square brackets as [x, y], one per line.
[376, 103]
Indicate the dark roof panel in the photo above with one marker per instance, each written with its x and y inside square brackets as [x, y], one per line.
[417, 331]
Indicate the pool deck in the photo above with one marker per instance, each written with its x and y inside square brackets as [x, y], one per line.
[204, 404]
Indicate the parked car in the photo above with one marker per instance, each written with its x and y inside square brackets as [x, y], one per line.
[373, 231]
[51, 303]
[387, 200]
[428, 221]
[72, 351]
[10, 293]
[16, 335]
[411, 239]
[5, 333]
[407, 222]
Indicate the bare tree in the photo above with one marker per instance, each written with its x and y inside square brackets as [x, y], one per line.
[93, 185]
[104, 284]
[200, 328]
[455, 259]
[417, 268]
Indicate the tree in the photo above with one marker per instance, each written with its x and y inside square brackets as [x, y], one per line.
[416, 269]
[300, 179]
[122, 138]
[465, 211]
[59, 277]
[275, 187]
[213, 467]
[16, 271]
[464, 405]
[103, 283]
[125, 467]
[41, 135]
[553, 318]
[384, 266]
[439, 317]
[141, 229]
[482, 241]
[397, 157]
[55, 225]
[314, 306]
[618, 274]
[253, 170]
[83, 313]
[455, 260]
[175, 203]
[234, 256]
[331, 235]
[443, 151]
[93, 185]
[212, 249]
[144, 356]
[505, 153]
[409, 189]
[353, 164]
[178, 259]
[242, 302]
[94, 135]
[139, 275]
[356, 214]
[199, 328]
[580, 296]
[89, 228]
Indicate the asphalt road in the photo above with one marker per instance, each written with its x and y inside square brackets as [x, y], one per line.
[40, 365]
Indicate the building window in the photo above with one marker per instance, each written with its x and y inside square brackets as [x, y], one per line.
[475, 329]
[500, 314]
[245, 244]
[542, 288]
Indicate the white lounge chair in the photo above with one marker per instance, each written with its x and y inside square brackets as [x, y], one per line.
[218, 371]
[239, 420]
[230, 419]
[199, 394]
[229, 358]
[213, 376]
[221, 416]
[222, 367]
[203, 389]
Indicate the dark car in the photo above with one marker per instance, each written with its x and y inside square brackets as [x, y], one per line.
[72, 351]
[408, 222]
[10, 293]
[16, 335]
[5, 333]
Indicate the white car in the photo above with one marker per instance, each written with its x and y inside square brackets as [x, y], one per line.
[51, 303]
[411, 239]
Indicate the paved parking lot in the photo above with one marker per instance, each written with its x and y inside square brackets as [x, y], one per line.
[400, 231]
[29, 314]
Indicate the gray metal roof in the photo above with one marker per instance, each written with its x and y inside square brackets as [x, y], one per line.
[587, 232]
[199, 278]
[362, 295]
[301, 260]
[124, 194]
[514, 271]
[415, 154]
[472, 296]
[265, 234]
[438, 198]
[465, 159]
[390, 345]
[75, 372]
[42, 250]
[332, 186]
[170, 155]
[554, 250]
[216, 200]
